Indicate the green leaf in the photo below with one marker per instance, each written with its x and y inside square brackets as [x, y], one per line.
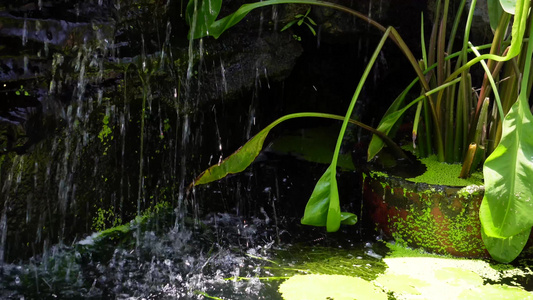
[237, 162]
[307, 12]
[386, 124]
[311, 28]
[506, 212]
[288, 25]
[348, 218]
[323, 208]
[393, 114]
[495, 12]
[505, 250]
[216, 28]
[507, 207]
[245, 155]
[507, 5]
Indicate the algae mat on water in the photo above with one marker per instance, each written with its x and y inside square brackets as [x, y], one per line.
[414, 275]
[446, 278]
[338, 287]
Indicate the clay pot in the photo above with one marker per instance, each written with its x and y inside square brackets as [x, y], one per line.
[439, 219]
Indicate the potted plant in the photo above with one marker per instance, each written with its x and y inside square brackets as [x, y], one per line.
[448, 126]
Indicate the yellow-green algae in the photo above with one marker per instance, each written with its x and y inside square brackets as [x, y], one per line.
[327, 261]
[320, 287]
[410, 274]
[413, 274]
[445, 174]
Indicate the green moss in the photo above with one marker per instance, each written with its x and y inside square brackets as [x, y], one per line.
[105, 217]
[445, 174]
[105, 129]
[441, 220]
[420, 227]
[398, 250]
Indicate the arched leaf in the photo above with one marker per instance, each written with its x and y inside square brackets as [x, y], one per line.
[245, 155]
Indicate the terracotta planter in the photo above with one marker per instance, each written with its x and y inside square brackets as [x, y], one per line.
[439, 219]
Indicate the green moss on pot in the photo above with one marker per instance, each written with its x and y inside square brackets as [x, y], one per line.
[439, 218]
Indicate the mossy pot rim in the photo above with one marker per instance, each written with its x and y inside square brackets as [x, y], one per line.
[436, 175]
[420, 186]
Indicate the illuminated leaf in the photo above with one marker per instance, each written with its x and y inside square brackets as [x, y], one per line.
[505, 250]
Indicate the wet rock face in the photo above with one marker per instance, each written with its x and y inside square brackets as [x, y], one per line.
[75, 77]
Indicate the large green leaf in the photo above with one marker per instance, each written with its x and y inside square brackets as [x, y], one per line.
[506, 212]
[323, 209]
[507, 208]
[505, 250]
[320, 286]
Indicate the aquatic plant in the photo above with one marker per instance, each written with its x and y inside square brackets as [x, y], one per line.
[449, 125]
[300, 20]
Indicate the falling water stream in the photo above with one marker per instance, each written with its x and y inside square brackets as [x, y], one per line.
[109, 113]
